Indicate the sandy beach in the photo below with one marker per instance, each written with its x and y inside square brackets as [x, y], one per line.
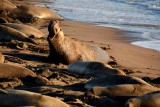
[58, 82]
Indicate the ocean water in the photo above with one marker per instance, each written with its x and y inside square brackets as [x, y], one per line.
[141, 17]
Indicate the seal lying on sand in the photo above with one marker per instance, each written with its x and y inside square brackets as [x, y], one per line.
[1, 58]
[31, 11]
[26, 29]
[147, 100]
[6, 5]
[65, 50]
[12, 71]
[110, 80]
[26, 98]
[92, 69]
[124, 90]
[7, 33]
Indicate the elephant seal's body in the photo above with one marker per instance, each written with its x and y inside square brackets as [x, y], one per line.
[25, 98]
[26, 29]
[12, 71]
[6, 5]
[65, 50]
[148, 100]
[31, 11]
[1, 58]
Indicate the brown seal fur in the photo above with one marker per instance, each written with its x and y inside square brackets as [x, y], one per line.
[12, 71]
[31, 11]
[110, 80]
[6, 5]
[7, 33]
[91, 68]
[26, 29]
[1, 58]
[124, 90]
[147, 100]
[25, 98]
[65, 50]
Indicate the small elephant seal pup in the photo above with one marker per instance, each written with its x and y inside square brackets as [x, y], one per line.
[8, 33]
[31, 11]
[6, 5]
[90, 68]
[147, 100]
[124, 90]
[110, 80]
[26, 29]
[25, 98]
[65, 50]
[1, 58]
[12, 71]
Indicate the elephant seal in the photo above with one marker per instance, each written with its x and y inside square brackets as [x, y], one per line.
[1, 58]
[92, 69]
[124, 90]
[31, 11]
[6, 5]
[12, 71]
[26, 98]
[7, 33]
[147, 100]
[65, 50]
[110, 80]
[26, 29]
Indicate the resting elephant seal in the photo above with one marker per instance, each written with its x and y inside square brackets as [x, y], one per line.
[124, 90]
[1, 58]
[90, 68]
[147, 100]
[65, 50]
[6, 5]
[7, 33]
[31, 11]
[26, 29]
[110, 80]
[12, 71]
[25, 98]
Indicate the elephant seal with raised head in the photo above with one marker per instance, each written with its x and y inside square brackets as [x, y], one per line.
[65, 50]
[90, 68]
[25, 98]
[26, 29]
[7, 33]
[12, 71]
[31, 11]
[147, 100]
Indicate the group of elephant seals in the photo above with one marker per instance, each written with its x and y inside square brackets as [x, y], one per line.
[110, 80]
[91, 68]
[147, 100]
[6, 5]
[12, 71]
[25, 98]
[65, 50]
[26, 29]
[31, 11]
[8, 33]
[1, 58]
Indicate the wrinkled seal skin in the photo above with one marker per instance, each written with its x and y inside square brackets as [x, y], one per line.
[18, 98]
[65, 50]
[110, 80]
[147, 100]
[32, 11]
[6, 5]
[26, 29]
[1, 58]
[91, 68]
[12, 71]
[7, 33]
